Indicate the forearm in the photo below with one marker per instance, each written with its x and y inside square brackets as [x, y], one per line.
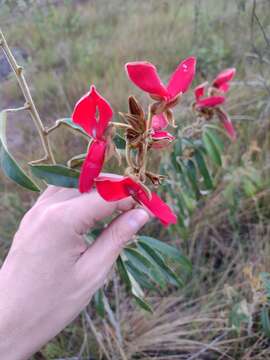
[13, 340]
[19, 332]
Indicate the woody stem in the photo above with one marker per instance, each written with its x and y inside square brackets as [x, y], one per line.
[121, 125]
[18, 71]
[143, 157]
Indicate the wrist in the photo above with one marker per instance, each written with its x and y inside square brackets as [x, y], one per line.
[16, 343]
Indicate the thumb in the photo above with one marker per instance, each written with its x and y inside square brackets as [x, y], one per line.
[99, 258]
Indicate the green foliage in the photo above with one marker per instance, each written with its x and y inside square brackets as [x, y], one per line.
[7, 162]
[239, 315]
[58, 175]
[148, 264]
[194, 165]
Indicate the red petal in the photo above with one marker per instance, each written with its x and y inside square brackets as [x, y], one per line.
[161, 139]
[158, 208]
[113, 189]
[227, 123]
[224, 77]
[159, 122]
[224, 87]
[199, 91]
[92, 165]
[93, 113]
[211, 101]
[182, 78]
[145, 76]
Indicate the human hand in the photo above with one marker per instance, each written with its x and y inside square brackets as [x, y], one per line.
[50, 273]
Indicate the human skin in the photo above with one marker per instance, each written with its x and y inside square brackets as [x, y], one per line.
[50, 273]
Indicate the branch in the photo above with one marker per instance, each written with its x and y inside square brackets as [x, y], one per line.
[18, 70]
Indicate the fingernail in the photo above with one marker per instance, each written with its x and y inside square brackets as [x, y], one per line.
[137, 218]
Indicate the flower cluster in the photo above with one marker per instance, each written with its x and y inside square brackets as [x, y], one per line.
[210, 105]
[143, 131]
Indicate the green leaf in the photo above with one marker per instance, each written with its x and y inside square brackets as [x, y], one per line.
[192, 176]
[211, 147]
[203, 169]
[99, 302]
[58, 175]
[143, 304]
[167, 271]
[132, 285]
[140, 277]
[167, 250]
[140, 262]
[7, 162]
[119, 142]
[217, 140]
[123, 272]
[265, 321]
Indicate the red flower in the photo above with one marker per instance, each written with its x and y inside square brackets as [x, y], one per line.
[93, 113]
[208, 105]
[144, 75]
[111, 189]
[222, 81]
[161, 139]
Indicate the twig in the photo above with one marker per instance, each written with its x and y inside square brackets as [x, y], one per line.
[94, 331]
[121, 125]
[18, 70]
[22, 108]
[113, 320]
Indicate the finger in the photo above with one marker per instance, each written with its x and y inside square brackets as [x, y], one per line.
[65, 193]
[85, 210]
[62, 195]
[98, 259]
[49, 191]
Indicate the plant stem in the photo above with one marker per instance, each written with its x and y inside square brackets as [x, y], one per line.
[145, 144]
[18, 70]
[121, 125]
[25, 107]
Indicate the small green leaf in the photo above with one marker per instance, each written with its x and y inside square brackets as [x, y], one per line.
[167, 250]
[265, 321]
[203, 169]
[119, 142]
[192, 176]
[213, 132]
[143, 304]
[58, 175]
[140, 262]
[140, 277]
[167, 271]
[132, 285]
[7, 162]
[123, 272]
[99, 302]
[211, 148]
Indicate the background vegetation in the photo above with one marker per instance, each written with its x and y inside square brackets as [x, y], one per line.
[222, 311]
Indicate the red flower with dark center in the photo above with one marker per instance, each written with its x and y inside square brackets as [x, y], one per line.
[144, 75]
[208, 105]
[112, 189]
[93, 113]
